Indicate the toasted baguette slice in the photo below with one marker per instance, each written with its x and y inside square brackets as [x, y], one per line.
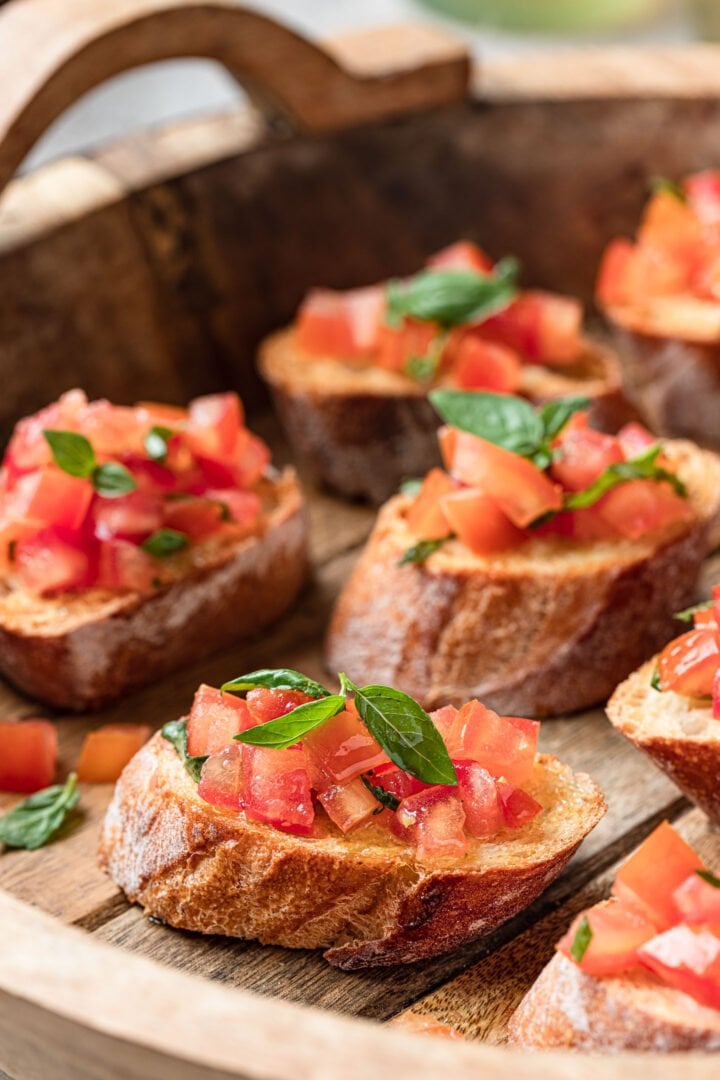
[362, 897]
[363, 429]
[80, 650]
[567, 1008]
[678, 733]
[549, 627]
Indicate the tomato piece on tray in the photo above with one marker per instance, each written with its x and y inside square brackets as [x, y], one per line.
[650, 876]
[106, 751]
[689, 663]
[28, 755]
[215, 719]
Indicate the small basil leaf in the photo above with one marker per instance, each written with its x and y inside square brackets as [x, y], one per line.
[510, 422]
[287, 730]
[113, 480]
[411, 487]
[709, 877]
[175, 731]
[385, 798]
[581, 941]
[421, 551]
[660, 185]
[156, 442]
[555, 414]
[71, 452]
[655, 681]
[405, 732]
[642, 467]
[276, 679]
[452, 297]
[421, 368]
[35, 820]
[687, 614]
[165, 542]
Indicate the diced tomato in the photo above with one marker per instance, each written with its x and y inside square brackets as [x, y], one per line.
[463, 255]
[251, 461]
[28, 449]
[215, 718]
[581, 456]
[349, 805]
[52, 497]
[687, 959]
[504, 746]
[446, 721]
[160, 414]
[518, 806]
[434, 819]
[638, 507]
[366, 308]
[478, 793]
[28, 755]
[650, 876]
[195, 516]
[130, 517]
[425, 517]
[340, 323]
[276, 788]
[705, 618]
[341, 749]
[398, 344]
[485, 365]
[689, 663]
[698, 901]
[214, 424]
[267, 704]
[541, 326]
[242, 506]
[125, 566]
[52, 560]
[447, 439]
[618, 929]
[151, 477]
[111, 428]
[478, 522]
[634, 438]
[399, 783]
[716, 695]
[703, 194]
[221, 778]
[614, 281]
[106, 751]
[517, 486]
[670, 224]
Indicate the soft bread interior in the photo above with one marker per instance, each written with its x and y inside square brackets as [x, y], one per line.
[643, 713]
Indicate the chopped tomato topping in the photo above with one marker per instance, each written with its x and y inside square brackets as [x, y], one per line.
[53, 497]
[635, 438]
[689, 960]
[276, 788]
[479, 795]
[267, 704]
[340, 323]
[215, 719]
[478, 522]
[349, 805]
[196, 517]
[583, 455]
[485, 365]
[131, 517]
[618, 930]
[425, 517]
[53, 560]
[541, 326]
[462, 255]
[503, 746]
[638, 507]
[651, 875]
[28, 755]
[107, 750]
[342, 749]
[518, 806]
[221, 778]
[698, 901]
[689, 663]
[397, 345]
[434, 819]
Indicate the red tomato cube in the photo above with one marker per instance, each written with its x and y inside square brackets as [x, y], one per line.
[434, 820]
[518, 807]
[349, 805]
[618, 930]
[689, 663]
[614, 281]
[52, 497]
[478, 522]
[334, 323]
[703, 194]
[243, 506]
[485, 365]
[478, 793]
[130, 517]
[341, 749]
[399, 783]
[276, 788]
[28, 449]
[425, 517]
[221, 778]
[214, 424]
[581, 456]
[697, 901]
[196, 517]
[635, 438]
[215, 719]
[28, 755]
[463, 255]
[125, 566]
[503, 746]
[687, 959]
[151, 477]
[398, 344]
[650, 876]
[265, 704]
[250, 463]
[638, 507]
[446, 721]
[542, 327]
[106, 751]
[53, 560]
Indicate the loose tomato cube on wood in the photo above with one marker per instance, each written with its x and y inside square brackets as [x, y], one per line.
[478, 522]
[221, 778]
[425, 517]
[463, 255]
[650, 876]
[689, 663]
[215, 719]
[618, 931]
[341, 749]
[687, 959]
[485, 365]
[348, 805]
[107, 750]
[28, 755]
[276, 788]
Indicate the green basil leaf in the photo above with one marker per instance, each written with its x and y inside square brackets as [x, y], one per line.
[452, 297]
[421, 551]
[555, 414]
[421, 368]
[507, 421]
[642, 467]
[709, 877]
[113, 480]
[71, 452]
[287, 730]
[35, 820]
[276, 679]
[175, 731]
[385, 798]
[156, 442]
[655, 681]
[411, 486]
[405, 732]
[581, 941]
[687, 614]
[661, 185]
[165, 542]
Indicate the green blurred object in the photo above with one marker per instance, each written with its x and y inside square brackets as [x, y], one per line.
[557, 15]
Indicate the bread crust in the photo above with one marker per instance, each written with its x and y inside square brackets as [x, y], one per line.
[546, 629]
[679, 734]
[82, 650]
[363, 897]
[362, 430]
[568, 1009]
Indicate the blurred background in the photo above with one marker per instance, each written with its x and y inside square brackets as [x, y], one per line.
[161, 93]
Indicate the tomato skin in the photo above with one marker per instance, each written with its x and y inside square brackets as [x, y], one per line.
[276, 788]
[652, 873]
[619, 929]
[518, 806]
[425, 517]
[687, 959]
[221, 778]
[582, 456]
[462, 255]
[485, 365]
[265, 704]
[340, 750]
[215, 718]
[689, 663]
[106, 751]
[28, 755]
[349, 805]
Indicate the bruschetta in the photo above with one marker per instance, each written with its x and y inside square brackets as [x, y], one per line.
[350, 822]
[661, 294]
[134, 540]
[640, 971]
[670, 708]
[535, 570]
[350, 377]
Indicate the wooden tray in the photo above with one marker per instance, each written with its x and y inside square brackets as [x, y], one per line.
[152, 267]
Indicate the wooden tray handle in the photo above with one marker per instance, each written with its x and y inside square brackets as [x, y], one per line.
[55, 50]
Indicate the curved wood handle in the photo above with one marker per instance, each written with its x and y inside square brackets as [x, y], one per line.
[55, 50]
